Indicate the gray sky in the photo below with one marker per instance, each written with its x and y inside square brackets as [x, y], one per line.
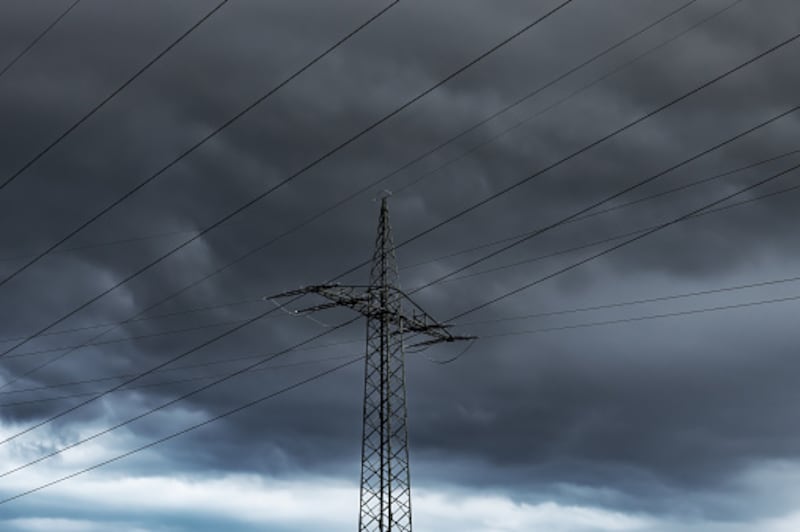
[655, 425]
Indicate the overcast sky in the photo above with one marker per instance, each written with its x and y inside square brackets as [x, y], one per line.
[678, 414]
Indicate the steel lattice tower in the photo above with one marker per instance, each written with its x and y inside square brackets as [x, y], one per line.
[385, 478]
[385, 502]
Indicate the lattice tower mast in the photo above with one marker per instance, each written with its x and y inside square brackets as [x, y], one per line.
[385, 501]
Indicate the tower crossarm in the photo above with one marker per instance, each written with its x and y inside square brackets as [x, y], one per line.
[355, 297]
[421, 322]
[362, 299]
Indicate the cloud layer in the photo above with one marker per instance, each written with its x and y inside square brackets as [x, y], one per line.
[654, 425]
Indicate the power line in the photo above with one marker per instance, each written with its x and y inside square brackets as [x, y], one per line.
[605, 323]
[452, 139]
[410, 163]
[172, 314]
[586, 212]
[95, 245]
[608, 136]
[523, 99]
[162, 406]
[684, 295]
[418, 158]
[307, 167]
[609, 209]
[193, 148]
[629, 241]
[608, 250]
[519, 123]
[337, 327]
[463, 251]
[496, 335]
[297, 385]
[60, 138]
[174, 382]
[615, 132]
[185, 153]
[619, 236]
[33, 370]
[90, 114]
[354, 360]
[685, 186]
[252, 366]
[158, 334]
[647, 317]
[643, 301]
[227, 360]
[543, 314]
[153, 369]
[474, 248]
[480, 203]
[263, 314]
[38, 38]
[483, 202]
[616, 195]
[186, 430]
[561, 312]
[304, 169]
[574, 216]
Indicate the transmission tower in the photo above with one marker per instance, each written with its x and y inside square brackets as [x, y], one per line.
[385, 504]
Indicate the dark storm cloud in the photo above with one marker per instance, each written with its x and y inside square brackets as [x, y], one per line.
[655, 412]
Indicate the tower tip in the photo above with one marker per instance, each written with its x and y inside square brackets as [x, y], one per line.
[383, 195]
